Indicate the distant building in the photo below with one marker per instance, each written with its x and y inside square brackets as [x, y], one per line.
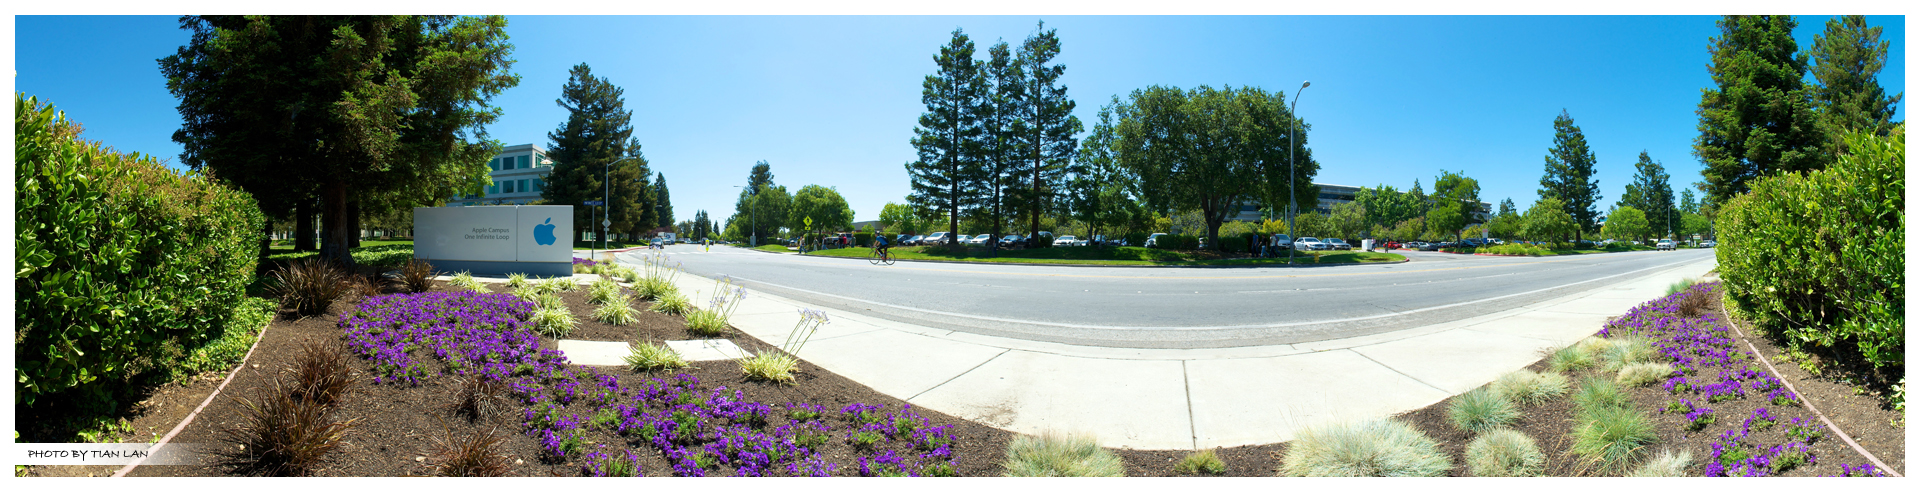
[1330, 195]
[519, 175]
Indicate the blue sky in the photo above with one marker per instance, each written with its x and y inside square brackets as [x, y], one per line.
[833, 100]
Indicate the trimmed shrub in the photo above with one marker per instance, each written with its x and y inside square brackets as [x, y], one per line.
[1529, 388]
[1481, 410]
[1379, 448]
[1236, 244]
[121, 265]
[863, 239]
[1819, 259]
[1177, 242]
[1054, 455]
[1505, 453]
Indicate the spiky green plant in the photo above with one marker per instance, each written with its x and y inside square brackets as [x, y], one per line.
[629, 275]
[617, 312]
[652, 288]
[1597, 393]
[465, 280]
[1481, 410]
[516, 281]
[1378, 448]
[770, 366]
[706, 323]
[674, 304]
[549, 301]
[1528, 388]
[1570, 359]
[1609, 439]
[1505, 453]
[1055, 455]
[603, 290]
[1625, 351]
[1643, 374]
[1665, 464]
[1202, 462]
[553, 323]
[555, 285]
[649, 356]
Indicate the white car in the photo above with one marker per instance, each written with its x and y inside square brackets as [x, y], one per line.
[1152, 240]
[936, 238]
[1309, 244]
[1065, 241]
[1663, 245]
[976, 240]
[1339, 244]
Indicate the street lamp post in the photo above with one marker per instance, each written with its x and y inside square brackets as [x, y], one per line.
[1293, 142]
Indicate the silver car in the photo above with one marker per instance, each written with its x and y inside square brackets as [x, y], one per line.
[1309, 244]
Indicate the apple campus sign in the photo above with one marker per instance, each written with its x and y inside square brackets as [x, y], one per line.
[495, 239]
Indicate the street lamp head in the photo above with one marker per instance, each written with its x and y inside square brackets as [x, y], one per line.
[1305, 83]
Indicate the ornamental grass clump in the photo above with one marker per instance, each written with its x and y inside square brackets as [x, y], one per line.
[712, 321]
[603, 290]
[1609, 438]
[1528, 388]
[516, 281]
[281, 434]
[418, 275]
[1665, 464]
[1378, 448]
[1505, 453]
[320, 374]
[658, 278]
[1055, 455]
[1482, 410]
[555, 285]
[1624, 351]
[770, 366]
[1598, 393]
[553, 323]
[466, 281]
[477, 454]
[617, 312]
[649, 356]
[309, 286]
[1643, 374]
[675, 304]
[1570, 359]
[1202, 462]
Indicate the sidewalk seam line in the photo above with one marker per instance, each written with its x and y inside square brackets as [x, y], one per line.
[1186, 383]
[957, 376]
[1397, 371]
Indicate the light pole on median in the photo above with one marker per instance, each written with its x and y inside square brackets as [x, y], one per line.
[1293, 142]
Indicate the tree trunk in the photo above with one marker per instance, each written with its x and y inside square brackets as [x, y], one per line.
[353, 223]
[333, 224]
[303, 239]
[266, 239]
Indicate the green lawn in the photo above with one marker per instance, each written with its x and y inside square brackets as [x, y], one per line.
[1123, 255]
[369, 253]
[592, 245]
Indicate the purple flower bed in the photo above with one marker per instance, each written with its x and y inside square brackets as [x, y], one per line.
[1710, 369]
[567, 408]
[584, 261]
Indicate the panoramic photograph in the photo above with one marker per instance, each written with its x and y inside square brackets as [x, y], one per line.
[903, 244]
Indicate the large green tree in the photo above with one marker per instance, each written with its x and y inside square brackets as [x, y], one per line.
[1456, 201]
[1548, 220]
[598, 132]
[946, 173]
[1386, 206]
[1650, 193]
[1205, 150]
[1505, 224]
[821, 207]
[1627, 222]
[629, 197]
[663, 207]
[1759, 118]
[1847, 60]
[1097, 187]
[1569, 177]
[1047, 127]
[900, 219]
[1000, 145]
[305, 109]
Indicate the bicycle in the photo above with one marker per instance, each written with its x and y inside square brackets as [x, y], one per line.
[880, 257]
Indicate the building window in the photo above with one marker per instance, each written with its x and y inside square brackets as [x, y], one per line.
[522, 186]
[524, 160]
[494, 164]
[493, 189]
[537, 185]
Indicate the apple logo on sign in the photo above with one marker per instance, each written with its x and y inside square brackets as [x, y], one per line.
[543, 233]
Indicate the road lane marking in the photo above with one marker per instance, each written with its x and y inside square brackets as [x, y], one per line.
[838, 262]
[1177, 328]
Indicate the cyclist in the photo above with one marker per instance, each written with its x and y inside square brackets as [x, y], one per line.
[880, 245]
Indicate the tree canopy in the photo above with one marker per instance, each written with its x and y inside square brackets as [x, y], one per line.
[1045, 127]
[946, 173]
[1569, 177]
[1627, 223]
[598, 133]
[1650, 194]
[1847, 59]
[294, 108]
[1207, 149]
[1758, 119]
[827, 209]
[1547, 220]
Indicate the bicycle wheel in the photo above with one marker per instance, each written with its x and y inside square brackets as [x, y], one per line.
[873, 257]
[888, 259]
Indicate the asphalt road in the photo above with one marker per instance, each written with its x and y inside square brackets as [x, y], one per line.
[1159, 307]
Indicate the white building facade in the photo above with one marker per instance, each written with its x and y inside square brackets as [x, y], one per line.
[519, 175]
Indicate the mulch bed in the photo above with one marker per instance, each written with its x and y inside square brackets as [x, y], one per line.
[397, 426]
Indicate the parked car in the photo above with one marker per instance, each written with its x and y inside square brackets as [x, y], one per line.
[1708, 244]
[1664, 245]
[1279, 243]
[1064, 241]
[1152, 240]
[1426, 246]
[1309, 243]
[935, 238]
[1339, 244]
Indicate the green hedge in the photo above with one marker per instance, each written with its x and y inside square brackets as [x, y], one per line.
[122, 265]
[1819, 259]
[1177, 242]
[1136, 239]
[863, 239]
[1236, 244]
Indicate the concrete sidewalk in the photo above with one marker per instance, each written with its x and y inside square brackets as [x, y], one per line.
[1187, 398]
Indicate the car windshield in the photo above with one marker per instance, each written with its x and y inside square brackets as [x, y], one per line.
[1308, 239]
